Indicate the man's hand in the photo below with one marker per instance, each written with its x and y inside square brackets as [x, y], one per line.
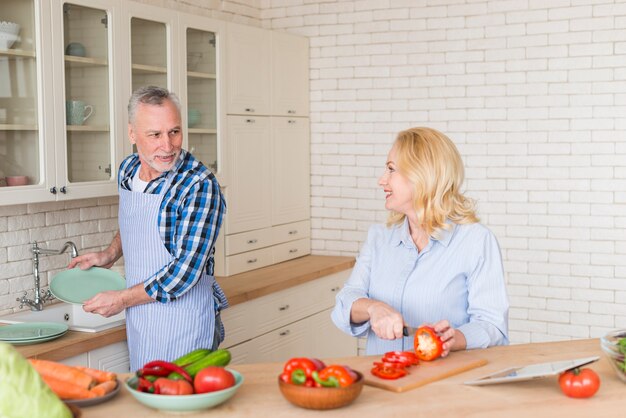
[107, 303]
[86, 261]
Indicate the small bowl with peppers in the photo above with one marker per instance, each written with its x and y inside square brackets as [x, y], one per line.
[171, 387]
[309, 383]
[613, 345]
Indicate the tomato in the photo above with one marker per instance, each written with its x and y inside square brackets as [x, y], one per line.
[213, 378]
[579, 383]
[428, 345]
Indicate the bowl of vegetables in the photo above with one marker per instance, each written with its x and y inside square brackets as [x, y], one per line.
[309, 383]
[613, 345]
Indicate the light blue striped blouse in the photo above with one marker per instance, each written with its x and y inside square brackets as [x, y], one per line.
[458, 277]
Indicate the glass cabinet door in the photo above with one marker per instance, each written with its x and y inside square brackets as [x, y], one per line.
[148, 53]
[202, 113]
[20, 145]
[87, 102]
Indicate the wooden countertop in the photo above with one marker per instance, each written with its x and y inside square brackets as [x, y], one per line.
[238, 288]
[259, 396]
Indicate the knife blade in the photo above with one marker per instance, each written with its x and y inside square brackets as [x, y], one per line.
[408, 331]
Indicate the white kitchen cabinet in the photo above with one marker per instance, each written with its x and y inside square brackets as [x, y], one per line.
[290, 74]
[113, 358]
[248, 55]
[292, 322]
[291, 170]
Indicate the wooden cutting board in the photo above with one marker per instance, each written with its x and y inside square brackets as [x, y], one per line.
[426, 372]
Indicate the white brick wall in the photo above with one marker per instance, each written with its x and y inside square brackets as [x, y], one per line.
[533, 93]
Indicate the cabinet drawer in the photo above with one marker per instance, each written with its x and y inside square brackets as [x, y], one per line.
[247, 241]
[250, 260]
[291, 231]
[289, 250]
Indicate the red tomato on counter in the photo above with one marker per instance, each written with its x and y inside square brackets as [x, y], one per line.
[579, 383]
[213, 378]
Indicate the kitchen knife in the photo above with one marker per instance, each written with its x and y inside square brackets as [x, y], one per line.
[408, 331]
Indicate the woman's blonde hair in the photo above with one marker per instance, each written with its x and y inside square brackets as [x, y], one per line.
[433, 165]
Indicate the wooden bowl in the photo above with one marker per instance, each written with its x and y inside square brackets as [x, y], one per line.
[321, 398]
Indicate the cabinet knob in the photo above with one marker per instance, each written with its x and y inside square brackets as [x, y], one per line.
[335, 289]
[291, 121]
[252, 241]
[291, 112]
[249, 109]
[284, 333]
[53, 190]
[251, 261]
[63, 190]
[283, 308]
[250, 121]
[293, 250]
[293, 232]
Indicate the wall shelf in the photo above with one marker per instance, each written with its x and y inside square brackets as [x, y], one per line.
[17, 127]
[195, 74]
[87, 128]
[17, 53]
[149, 69]
[85, 61]
[201, 131]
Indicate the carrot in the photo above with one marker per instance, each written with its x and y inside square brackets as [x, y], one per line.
[103, 388]
[62, 372]
[67, 390]
[100, 375]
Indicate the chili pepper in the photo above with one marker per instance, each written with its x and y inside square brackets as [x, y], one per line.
[333, 376]
[170, 367]
[144, 385]
[153, 371]
[164, 386]
[298, 371]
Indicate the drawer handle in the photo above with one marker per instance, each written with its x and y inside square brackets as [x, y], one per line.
[283, 308]
[254, 260]
[252, 241]
[291, 121]
[293, 250]
[284, 333]
[250, 121]
[335, 289]
[293, 232]
[249, 109]
[291, 112]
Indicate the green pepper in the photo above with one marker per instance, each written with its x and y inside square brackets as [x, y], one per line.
[298, 371]
[333, 376]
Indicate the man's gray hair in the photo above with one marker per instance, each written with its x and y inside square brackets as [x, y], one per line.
[150, 95]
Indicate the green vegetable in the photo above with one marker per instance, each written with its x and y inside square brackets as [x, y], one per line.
[192, 357]
[22, 392]
[219, 358]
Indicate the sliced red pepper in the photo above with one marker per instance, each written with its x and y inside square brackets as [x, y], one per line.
[428, 345]
[406, 358]
[169, 367]
[388, 373]
[388, 365]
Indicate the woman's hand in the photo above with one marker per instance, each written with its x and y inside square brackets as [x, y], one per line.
[385, 321]
[452, 338]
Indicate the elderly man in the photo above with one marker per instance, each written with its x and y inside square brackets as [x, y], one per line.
[170, 213]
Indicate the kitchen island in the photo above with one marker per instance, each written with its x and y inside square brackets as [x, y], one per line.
[259, 395]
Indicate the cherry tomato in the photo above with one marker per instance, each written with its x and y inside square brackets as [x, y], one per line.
[213, 378]
[579, 383]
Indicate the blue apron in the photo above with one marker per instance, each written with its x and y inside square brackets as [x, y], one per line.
[161, 331]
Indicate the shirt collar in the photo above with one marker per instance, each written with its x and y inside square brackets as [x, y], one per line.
[401, 234]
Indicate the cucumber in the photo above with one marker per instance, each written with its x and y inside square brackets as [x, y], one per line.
[191, 357]
[219, 358]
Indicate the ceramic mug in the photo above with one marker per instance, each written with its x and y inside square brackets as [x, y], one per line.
[75, 112]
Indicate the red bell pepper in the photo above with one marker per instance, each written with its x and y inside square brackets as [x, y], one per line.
[299, 371]
[428, 345]
[165, 386]
[405, 358]
[389, 373]
[333, 376]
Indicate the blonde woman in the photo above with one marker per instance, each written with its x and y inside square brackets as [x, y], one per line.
[433, 263]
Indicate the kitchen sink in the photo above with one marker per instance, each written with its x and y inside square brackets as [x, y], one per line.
[71, 315]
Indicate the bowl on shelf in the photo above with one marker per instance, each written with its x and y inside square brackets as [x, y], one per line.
[616, 352]
[7, 40]
[9, 27]
[184, 403]
[16, 180]
[321, 398]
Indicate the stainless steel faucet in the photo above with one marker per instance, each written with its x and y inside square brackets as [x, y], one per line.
[36, 304]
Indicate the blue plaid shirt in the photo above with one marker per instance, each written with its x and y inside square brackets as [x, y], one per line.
[189, 223]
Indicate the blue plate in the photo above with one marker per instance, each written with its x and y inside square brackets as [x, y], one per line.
[76, 285]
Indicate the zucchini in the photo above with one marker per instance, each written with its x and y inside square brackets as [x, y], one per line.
[191, 357]
[218, 358]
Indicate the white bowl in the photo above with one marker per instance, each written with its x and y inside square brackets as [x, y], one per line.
[9, 27]
[7, 40]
